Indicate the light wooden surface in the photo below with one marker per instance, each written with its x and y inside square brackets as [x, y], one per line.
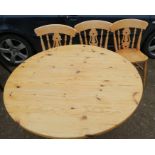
[57, 30]
[90, 28]
[122, 29]
[124, 23]
[73, 91]
[133, 55]
[128, 45]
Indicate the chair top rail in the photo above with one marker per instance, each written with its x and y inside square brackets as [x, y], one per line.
[55, 28]
[129, 23]
[90, 24]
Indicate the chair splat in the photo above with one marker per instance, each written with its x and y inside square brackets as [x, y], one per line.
[56, 30]
[94, 32]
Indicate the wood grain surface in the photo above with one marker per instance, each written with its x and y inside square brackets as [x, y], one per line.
[73, 91]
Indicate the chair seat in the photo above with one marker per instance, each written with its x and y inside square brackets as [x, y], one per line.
[133, 55]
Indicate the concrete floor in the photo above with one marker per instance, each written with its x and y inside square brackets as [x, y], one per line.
[140, 125]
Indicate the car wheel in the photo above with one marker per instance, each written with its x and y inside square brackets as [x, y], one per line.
[16, 49]
[149, 46]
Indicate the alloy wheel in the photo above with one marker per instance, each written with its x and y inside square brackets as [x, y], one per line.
[15, 51]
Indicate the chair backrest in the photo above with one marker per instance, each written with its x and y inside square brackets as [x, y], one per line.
[94, 32]
[54, 35]
[128, 33]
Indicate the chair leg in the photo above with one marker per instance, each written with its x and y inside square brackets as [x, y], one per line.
[145, 73]
[138, 66]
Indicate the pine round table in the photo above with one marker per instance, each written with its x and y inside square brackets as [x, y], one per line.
[73, 91]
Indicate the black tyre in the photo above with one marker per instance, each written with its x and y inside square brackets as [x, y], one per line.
[149, 46]
[17, 49]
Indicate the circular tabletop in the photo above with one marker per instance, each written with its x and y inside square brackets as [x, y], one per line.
[73, 91]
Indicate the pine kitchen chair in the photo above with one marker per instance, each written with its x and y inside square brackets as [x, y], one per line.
[55, 35]
[127, 38]
[94, 32]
